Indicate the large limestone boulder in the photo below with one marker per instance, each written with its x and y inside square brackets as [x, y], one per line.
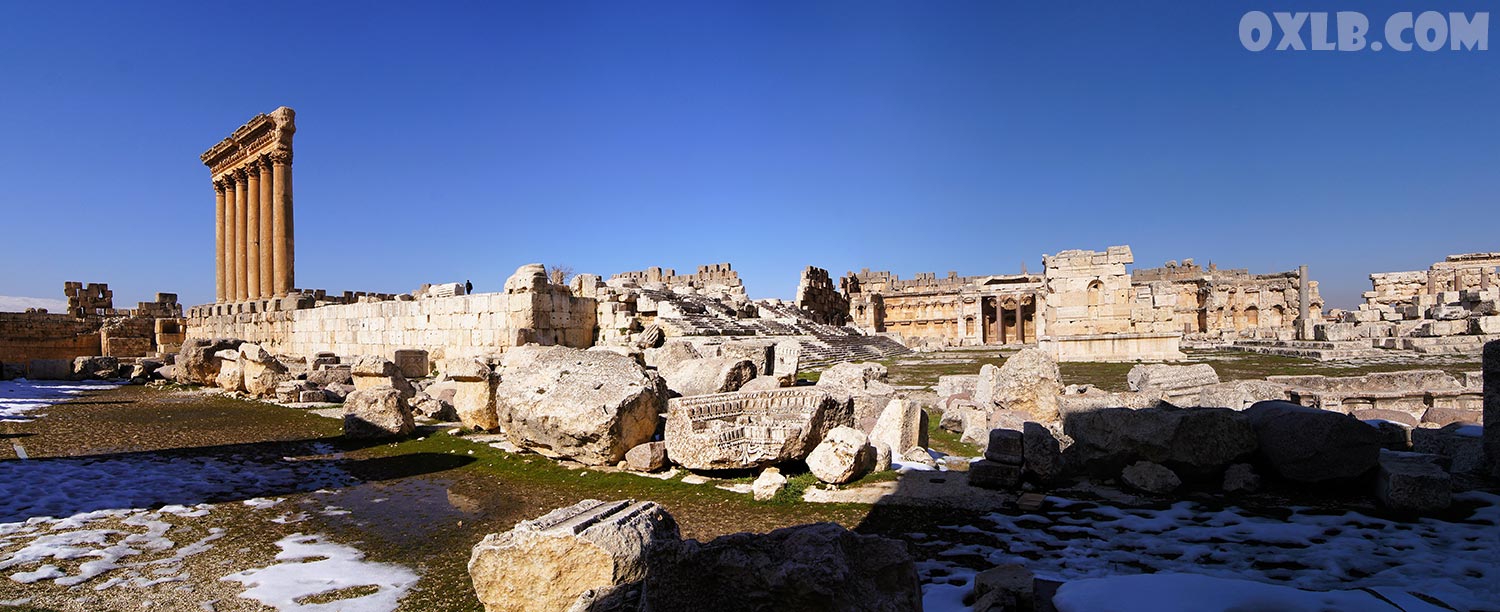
[331, 375]
[375, 372]
[590, 406]
[1312, 445]
[1412, 482]
[474, 393]
[711, 375]
[866, 387]
[231, 376]
[1177, 384]
[1028, 382]
[820, 567]
[670, 353]
[198, 362]
[1239, 394]
[566, 558]
[95, 368]
[1193, 441]
[381, 412]
[788, 359]
[761, 354]
[901, 425]
[751, 429]
[261, 371]
[844, 455]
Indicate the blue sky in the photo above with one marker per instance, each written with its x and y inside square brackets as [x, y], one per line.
[453, 142]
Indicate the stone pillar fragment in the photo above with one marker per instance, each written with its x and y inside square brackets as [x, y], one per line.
[241, 237]
[252, 231]
[1492, 406]
[281, 231]
[267, 231]
[231, 236]
[219, 241]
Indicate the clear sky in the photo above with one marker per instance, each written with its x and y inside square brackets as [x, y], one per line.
[443, 142]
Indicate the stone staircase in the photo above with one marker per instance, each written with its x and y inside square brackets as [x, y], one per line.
[822, 344]
[1309, 349]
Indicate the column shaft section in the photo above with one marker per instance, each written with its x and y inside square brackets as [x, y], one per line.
[252, 231]
[218, 241]
[281, 232]
[267, 232]
[241, 242]
[231, 236]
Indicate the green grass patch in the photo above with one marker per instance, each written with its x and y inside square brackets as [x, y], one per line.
[947, 442]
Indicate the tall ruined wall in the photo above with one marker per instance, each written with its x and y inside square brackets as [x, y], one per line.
[530, 311]
[817, 295]
[1089, 292]
[29, 335]
[711, 275]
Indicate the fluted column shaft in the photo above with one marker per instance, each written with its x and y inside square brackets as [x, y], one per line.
[267, 231]
[231, 237]
[281, 231]
[219, 241]
[241, 238]
[252, 231]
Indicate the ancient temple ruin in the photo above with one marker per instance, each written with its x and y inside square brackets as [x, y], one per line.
[252, 178]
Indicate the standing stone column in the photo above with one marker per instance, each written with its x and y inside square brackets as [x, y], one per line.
[281, 231]
[252, 230]
[1492, 406]
[267, 231]
[219, 241]
[241, 238]
[231, 236]
[1304, 305]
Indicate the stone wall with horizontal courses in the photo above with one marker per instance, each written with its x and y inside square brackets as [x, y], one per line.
[457, 326]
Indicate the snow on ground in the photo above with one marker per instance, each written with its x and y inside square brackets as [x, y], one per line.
[137, 548]
[18, 398]
[1195, 593]
[1453, 561]
[310, 566]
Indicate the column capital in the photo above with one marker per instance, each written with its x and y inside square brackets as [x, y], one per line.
[239, 173]
[281, 157]
[220, 184]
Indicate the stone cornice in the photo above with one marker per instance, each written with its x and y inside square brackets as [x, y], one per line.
[263, 134]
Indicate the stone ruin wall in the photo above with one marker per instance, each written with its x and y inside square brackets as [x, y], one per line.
[1451, 308]
[949, 311]
[91, 327]
[1228, 303]
[1094, 312]
[711, 275]
[819, 298]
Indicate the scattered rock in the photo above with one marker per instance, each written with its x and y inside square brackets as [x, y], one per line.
[710, 375]
[473, 393]
[1241, 478]
[648, 457]
[1004, 588]
[865, 386]
[1151, 478]
[901, 425]
[735, 430]
[1412, 482]
[843, 456]
[381, 412]
[1042, 452]
[375, 372]
[589, 406]
[1028, 382]
[198, 362]
[992, 475]
[1197, 441]
[918, 455]
[1311, 445]
[1006, 446]
[262, 372]
[820, 567]
[768, 484]
[549, 563]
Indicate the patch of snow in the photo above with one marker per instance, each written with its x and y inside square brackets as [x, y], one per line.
[1195, 593]
[130, 534]
[1071, 541]
[20, 397]
[261, 503]
[312, 566]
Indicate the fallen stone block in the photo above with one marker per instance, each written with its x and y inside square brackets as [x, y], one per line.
[1311, 445]
[844, 455]
[992, 475]
[750, 429]
[1412, 482]
[381, 412]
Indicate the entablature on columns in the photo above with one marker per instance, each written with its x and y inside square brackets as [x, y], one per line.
[265, 138]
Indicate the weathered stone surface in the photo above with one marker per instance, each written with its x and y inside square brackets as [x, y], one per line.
[882, 457]
[918, 455]
[1006, 446]
[768, 484]
[648, 457]
[788, 359]
[590, 406]
[376, 372]
[1150, 477]
[1239, 394]
[670, 353]
[1412, 482]
[1042, 452]
[429, 407]
[1004, 588]
[761, 383]
[231, 377]
[843, 456]
[547, 564]
[474, 393]
[94, 368]
[61, 369]
[340, 375]
[760, 353]
[381, 412]
[651, 337]
[1311, 445]
[289, 392]
[750, 429]
[900, 425]
[337, 392]
[1462, 446]
[1492, 407]
[994, 475]
[198, 362]
[413, 363]
[821, 567]
[1028, 382]
[1241, 478]
[691, 377]
[261, 371]
[1194, 441]
[1176, 383]
[864, 384]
